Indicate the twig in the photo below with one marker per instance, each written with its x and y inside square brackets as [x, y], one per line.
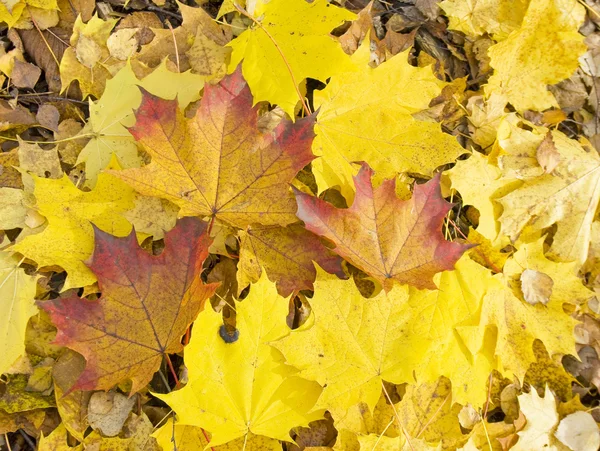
[172, 369]
[27, 439]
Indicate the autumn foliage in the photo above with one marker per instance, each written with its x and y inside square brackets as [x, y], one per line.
[291, 225]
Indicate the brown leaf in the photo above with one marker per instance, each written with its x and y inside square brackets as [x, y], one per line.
[25, 75]
[70, 9]
[287, 255]
[9, 176]
[547, 155]
[34, 43]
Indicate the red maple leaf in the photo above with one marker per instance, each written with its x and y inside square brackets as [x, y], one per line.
[147, 303]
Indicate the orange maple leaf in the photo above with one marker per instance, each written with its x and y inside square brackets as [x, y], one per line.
[219, 164]
[389, 239]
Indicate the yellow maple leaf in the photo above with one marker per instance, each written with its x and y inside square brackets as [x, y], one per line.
[112, 114]
[68, 239]
[519, 324]
[17, 291]
[567, 287]
[185, 437]
[351, 344]
[543, 51]
[542, 418]
[11, 11]
[478, 17]
[242, 388]
[448, 316]
[366, 115]
[480, 184]
[567, 197]
[301, 32]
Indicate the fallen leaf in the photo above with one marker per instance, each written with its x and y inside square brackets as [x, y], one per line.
[358, 122]
[286, 254]
[233, 389]
[151, 299]
[543, 51]
[17, 290]
[107, 412]
[579, 432]
[292, 55]
[351, 344]
[389, 239]
[240, 176]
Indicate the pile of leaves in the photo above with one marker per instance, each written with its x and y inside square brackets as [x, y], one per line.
[291, 225]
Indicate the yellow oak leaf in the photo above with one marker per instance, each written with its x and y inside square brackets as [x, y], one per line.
[17, 290]
[543, 51]
[519, 324]
[446, 316]
[478, 17]
[366, 115]
[299, 32]
[567, 197]
[68, 239]
[351, 344]
[479, 184]
[193, 438]
[112, 114]
[85, 60]
[567, 287]
[244, 387]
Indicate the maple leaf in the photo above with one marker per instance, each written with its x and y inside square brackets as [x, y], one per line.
[218, 164]
[68, 239]
[568, 197]
[299, 32]
[113, 113]
[449, 316]
[17, 291]
[287, 255]
[350, 344]
[192, 437]
[478, 17]
[242, 388]
[360, 120]
[389, 239]
[146, 305]
[11, 11]
[480, 184]
[519, 324]
[543, 51]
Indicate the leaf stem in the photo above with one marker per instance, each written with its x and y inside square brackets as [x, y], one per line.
[387, 396]
[172, 369]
